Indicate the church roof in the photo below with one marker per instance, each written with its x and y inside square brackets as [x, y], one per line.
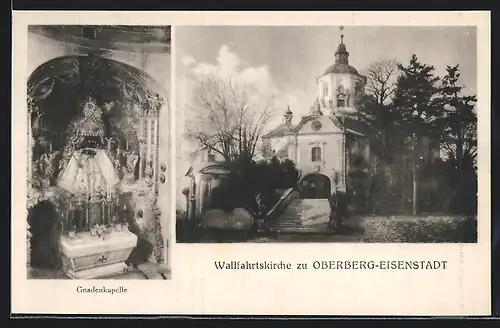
[342, 48]
[341, 64]
[283, 152]
[341, 68]
[351, 124]
[208, 167]
[279, 131]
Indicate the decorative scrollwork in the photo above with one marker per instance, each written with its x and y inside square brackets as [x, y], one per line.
[45, 167]
[152, 105]
[28, 246]
[32, 104]
[43, 89]
[131, 159]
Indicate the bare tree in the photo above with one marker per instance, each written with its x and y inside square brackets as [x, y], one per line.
[377, 97]
[228, 117]
[376, 101]
[381, 81]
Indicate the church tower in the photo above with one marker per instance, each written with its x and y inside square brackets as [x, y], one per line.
[340, 84]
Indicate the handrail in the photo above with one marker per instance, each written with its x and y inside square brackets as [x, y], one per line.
[281, 204]
[282, 198]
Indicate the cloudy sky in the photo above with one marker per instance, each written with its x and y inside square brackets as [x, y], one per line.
[286, 60]
[289, 59]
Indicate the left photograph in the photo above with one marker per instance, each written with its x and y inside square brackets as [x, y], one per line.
[97, 99]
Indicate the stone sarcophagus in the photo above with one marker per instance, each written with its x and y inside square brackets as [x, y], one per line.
[89, 257]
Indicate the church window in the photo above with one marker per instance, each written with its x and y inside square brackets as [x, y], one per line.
[316, 154]
[325, 89]
[358, 86]
[341, 102]
[341, 97]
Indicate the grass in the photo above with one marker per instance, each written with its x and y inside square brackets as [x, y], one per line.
[422, 229]
[372, 229]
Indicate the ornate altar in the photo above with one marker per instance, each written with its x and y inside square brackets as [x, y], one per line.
[100, 173]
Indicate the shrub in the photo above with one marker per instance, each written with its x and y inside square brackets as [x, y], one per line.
[247, 179]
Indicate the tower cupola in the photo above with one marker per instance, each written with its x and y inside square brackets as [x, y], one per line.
[341, 55]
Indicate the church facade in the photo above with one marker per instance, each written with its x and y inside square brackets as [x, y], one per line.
[324, 143]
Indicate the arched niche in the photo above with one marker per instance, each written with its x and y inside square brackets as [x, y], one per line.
[129, 103]
[44, 230]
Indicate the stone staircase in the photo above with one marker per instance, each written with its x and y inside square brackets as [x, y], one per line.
[304, 215]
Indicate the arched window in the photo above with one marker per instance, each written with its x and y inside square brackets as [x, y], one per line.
[325, 89]
[341, 96]
[341, 102]
[316, 154]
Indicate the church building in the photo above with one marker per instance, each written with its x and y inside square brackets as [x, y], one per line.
[324, 144]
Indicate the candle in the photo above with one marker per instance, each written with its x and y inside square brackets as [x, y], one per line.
[102, 211]
[109, 204]
[124, 213]
[82, 218]
[71, 218]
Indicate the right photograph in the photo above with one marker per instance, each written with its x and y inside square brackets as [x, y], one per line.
[336, 134]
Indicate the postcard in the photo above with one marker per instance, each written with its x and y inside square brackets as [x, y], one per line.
[251, 163]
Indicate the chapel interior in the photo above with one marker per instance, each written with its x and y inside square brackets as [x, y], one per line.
[96, 177]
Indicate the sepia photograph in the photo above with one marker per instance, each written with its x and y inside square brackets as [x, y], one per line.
[97, 99]
[202, 149]
[354, 134]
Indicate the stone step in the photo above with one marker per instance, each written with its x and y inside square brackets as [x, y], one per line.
[290, 222]
[296, 226]
[300, 212]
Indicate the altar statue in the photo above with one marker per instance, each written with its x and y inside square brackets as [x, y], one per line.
[132, 159]
[89, 170]
[45, 168]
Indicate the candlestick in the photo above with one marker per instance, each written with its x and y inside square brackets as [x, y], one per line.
[110, 207]
[82, 218]
[70, 217]
[148, 156]
[102, 211]
[65, 222]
